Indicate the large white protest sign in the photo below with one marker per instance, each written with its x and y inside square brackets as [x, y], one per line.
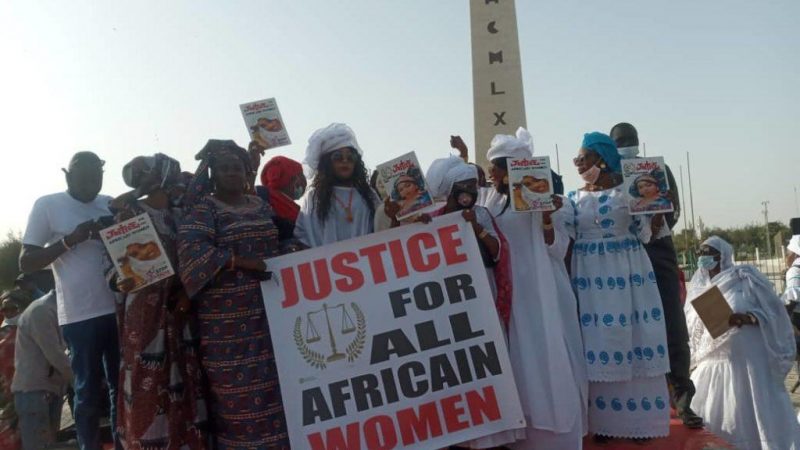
[390, 341]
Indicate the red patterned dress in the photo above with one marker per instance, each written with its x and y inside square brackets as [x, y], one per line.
[160, 404]
[9, 438]
[245, 406]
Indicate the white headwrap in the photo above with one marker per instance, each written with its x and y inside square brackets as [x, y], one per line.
[445, 172]
[701, 279]
[774, 326]
[794, 244]
[328, 139]
[507, 146]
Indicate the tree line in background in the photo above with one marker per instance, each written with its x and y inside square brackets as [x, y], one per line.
[745, 240]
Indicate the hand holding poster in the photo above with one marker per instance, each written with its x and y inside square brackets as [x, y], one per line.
[646, 183]
[403, 180]
[531, 184]
[264, 123]
[390, 341]
[136, 250]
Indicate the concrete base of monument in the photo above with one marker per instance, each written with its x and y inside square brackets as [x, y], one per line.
[680, 438]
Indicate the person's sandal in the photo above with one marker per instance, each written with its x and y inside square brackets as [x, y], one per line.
[690, 419]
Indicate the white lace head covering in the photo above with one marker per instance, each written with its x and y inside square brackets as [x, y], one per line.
[445, 172]
[507, 146]
[794, 244]
[326, 140]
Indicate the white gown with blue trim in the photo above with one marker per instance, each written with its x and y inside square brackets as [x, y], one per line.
[621, 319]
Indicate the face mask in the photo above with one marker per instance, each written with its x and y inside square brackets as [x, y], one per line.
[591, 175]
[628, 152]
[529, 196]
[464, 199]
[298, 192]
[706, 262]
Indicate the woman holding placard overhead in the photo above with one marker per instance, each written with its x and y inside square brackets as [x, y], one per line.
[620, 309]
[739, 375]
[550, 397]
[223, 241]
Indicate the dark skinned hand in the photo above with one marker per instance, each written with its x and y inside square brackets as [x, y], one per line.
[391, 209]
[256, 151]
[558, 202]
[82, 233]
[424, 218]
[457, 143]
[739, 319]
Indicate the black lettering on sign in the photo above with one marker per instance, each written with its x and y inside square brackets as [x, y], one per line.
[459, 288]
[492, 1]
[315, 407]
[428, 296]
[366, 392]
[399, 302]
[495, 91]
[442, 373]
[462, 329]
[407, 386]
[428, 337]
[393, 342]
[499, 118]
[496, 57]
[491, 28]
[483, 361]
[389, 386]
[339, 396]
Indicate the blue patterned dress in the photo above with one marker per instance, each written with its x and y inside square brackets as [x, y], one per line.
[621, 319]
[245, 407]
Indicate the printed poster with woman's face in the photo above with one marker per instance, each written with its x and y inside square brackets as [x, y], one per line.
[264, 123]
[136, 250]
[531, 184]
[404, 183]
[645, 182]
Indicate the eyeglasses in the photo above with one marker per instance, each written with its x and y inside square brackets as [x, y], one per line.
[343, 157]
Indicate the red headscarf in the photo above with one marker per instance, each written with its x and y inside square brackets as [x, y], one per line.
[276, 175]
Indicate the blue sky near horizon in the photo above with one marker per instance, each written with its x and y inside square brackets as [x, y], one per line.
[718, 79]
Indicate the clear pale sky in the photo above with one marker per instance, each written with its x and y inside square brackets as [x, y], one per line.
[718, 78]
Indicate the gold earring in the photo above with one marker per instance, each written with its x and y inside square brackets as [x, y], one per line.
[602, 165]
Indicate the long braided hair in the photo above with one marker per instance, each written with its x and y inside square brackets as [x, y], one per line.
[503, 164]
[324, 181]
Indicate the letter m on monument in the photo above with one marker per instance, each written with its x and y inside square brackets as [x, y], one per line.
[499, 102]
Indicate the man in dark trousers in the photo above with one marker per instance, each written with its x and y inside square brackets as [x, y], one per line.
[665, 264]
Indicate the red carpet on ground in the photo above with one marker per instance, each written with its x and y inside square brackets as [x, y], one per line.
[680, 438]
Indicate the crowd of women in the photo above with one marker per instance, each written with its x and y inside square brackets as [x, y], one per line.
[575, 292]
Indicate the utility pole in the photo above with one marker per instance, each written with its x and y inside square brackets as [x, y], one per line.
[766, 228]
[644, 149]
[796, 203]
[691, 196]
[558, 164]
[685, 220]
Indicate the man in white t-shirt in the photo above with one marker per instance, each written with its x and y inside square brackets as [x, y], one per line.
[62, 232]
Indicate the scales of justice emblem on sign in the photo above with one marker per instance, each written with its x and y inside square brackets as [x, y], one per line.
[313, 347]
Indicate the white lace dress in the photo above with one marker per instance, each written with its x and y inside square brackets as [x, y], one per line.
[621, 318]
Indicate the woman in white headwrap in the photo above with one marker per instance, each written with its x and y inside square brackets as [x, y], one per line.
[739, 375]
[551, 399]
[791, 295]
[340, 203]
